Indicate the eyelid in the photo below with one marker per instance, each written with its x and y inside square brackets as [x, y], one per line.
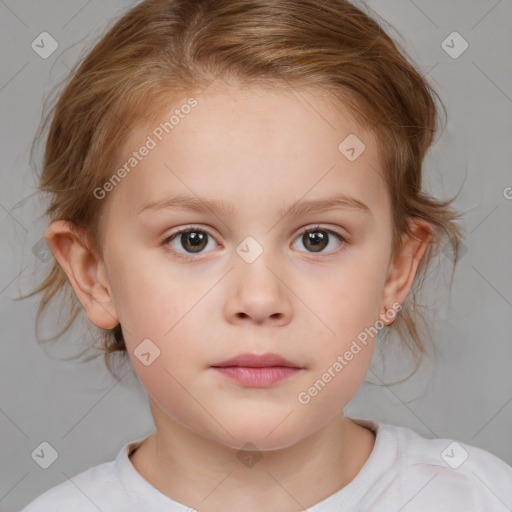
[187, 257]
[310, 227]
[342, 239]
[185, 229]
[345, 240]
[319, 227]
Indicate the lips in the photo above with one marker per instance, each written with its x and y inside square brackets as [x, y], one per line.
[257, 371]
[249, 360]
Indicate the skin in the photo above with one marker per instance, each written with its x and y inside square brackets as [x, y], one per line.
[258, 150]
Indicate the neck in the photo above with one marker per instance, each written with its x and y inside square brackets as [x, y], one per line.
[282, 480]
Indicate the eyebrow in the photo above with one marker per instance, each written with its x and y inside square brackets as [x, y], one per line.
[194, 204]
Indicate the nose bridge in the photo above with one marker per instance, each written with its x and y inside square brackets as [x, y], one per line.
[255, 258]
[258, 291]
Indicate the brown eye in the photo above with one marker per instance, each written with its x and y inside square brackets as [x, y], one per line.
[316, 240]
[193, 241]
[189, 241]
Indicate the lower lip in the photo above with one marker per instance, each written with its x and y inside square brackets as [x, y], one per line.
[257, 377]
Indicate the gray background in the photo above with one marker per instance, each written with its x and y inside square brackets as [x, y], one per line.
[465, 394]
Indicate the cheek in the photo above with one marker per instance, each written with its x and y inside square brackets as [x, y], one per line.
[152, 298]
[350, 301]
[348, 306]
[171, 388]
[178, 354]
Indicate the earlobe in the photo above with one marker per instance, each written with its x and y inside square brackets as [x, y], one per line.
[85, 272]
[403, 269]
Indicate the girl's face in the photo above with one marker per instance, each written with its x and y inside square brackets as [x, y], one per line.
[245, 278]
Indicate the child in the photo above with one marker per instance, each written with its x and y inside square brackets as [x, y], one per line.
[237, 204]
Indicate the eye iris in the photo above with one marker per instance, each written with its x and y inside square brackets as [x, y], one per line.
[317, 239]
[195, 241]
[196, 238]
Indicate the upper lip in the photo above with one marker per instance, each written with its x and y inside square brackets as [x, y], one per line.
[257, 361]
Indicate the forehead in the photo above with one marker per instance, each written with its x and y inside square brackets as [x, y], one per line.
[241, 145]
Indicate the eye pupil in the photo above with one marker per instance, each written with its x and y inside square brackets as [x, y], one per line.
[193, 240]
[316, 239]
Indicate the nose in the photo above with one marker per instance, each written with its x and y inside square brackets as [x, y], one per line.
[259, 294]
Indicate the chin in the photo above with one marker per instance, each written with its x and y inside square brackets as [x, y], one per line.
[264, 434]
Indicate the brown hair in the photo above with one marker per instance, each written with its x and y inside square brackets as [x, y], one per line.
[162, 49]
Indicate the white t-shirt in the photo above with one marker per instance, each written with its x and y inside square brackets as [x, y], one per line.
[405, 472]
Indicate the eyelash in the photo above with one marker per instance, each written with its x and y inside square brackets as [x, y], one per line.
[186, 257]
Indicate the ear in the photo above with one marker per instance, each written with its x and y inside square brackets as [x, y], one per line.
[402, 270]
[86, 273]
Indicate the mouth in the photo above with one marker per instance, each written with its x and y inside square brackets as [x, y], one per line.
[259, 371]
[257, 361]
